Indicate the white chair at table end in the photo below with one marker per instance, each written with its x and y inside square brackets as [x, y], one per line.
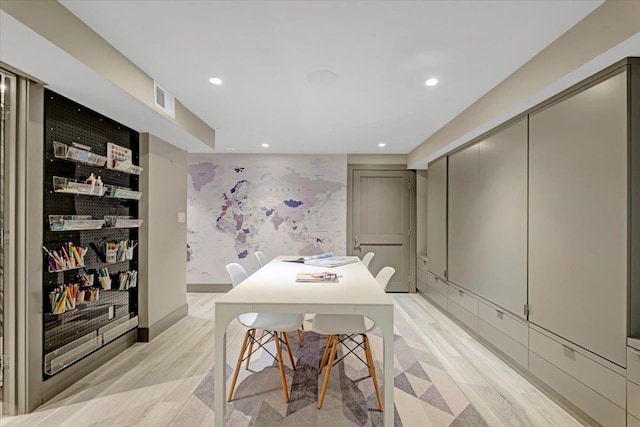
[262, 258]
[277, 324]
[334, 325]
[366, 259]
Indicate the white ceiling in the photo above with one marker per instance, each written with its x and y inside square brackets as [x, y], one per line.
[381, 51]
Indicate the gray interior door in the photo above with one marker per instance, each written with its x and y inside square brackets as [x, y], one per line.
[381, 222]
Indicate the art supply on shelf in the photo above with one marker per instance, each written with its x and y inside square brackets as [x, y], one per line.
[86, 280]
[64, 298]
[74, 223]
[92, 294]
[127, 280]
[120, 251]
[103, 278]
[67, 185]
[121, 222]
[121, 159]
[77, 153]
[67, 258]
[122, 193]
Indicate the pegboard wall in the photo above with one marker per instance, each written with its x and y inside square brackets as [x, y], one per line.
[68, 122]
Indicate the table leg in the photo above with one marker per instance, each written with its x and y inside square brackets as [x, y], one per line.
[384, 320]
[223, 318]
[387, 334]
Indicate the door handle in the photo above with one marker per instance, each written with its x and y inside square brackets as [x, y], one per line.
[356, 244]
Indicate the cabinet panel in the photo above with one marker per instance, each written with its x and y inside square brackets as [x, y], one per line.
[463, 225]
[505, 323]
[463, 315]
[437, 217]
[593, 404]
[438, 284]
[599, 378]
[633, 399]
[436, 297]
[421, 264]
[421, 286]
[578, 218]
[633, 365]
[463, 299]
[512, 348]
[502, 218]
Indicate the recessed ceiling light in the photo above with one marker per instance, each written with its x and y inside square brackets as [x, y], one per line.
[382, 145]
[265, 145]
[215, 80]
[431, 82]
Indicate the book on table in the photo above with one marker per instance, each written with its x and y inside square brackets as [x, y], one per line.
[324, 277]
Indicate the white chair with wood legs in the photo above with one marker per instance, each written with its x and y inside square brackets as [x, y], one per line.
[348, 325]
[366, 259]
[262, 261]
[262, 258]
[275, 324]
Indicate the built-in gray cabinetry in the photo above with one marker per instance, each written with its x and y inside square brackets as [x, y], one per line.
[437, 217]
[487, 221]
[544, 212]
[578, 218]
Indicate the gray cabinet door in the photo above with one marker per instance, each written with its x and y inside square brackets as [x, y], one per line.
[437, 217]
[502, 218]
[578, 218]
[464, 242]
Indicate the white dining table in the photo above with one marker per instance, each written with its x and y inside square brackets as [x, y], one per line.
[273, 289]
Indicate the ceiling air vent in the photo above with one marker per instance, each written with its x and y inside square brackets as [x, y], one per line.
[164, 101]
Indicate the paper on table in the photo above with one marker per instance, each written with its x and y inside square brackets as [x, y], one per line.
[335, 261]
[304, 259]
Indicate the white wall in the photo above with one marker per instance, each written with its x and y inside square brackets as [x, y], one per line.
[163, 266]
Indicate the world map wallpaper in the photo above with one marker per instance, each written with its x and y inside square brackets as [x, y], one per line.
[277, 204]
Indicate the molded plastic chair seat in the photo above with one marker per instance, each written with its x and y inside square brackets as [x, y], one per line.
[348, 324]
[281, 322]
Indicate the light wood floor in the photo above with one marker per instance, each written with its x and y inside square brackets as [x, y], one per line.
[152, 384]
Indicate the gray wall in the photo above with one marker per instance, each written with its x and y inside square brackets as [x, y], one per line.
[163, 240]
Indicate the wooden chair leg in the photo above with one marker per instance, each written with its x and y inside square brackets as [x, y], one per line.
[261, 336]
[325, 383]
[327, 350]
[286, 341]
[300, 342]
[283, 377]
[251, 340]
[235, 373]
[372, 370]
